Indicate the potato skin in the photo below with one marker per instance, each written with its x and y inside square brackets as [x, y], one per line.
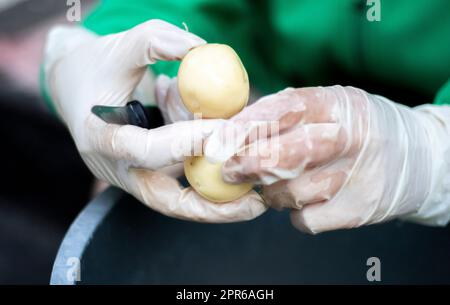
[206, 178]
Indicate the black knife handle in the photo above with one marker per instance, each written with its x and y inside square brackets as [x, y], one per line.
[137, 114]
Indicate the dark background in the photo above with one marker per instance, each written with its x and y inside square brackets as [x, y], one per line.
[44, 183]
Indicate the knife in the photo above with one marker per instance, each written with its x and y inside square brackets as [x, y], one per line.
[133, 113]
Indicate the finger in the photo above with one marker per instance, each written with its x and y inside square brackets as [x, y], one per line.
[277, 113]
[325, 216]
[162, 85]
[145, 89]
[151, 149]
[176, 108]
[313, 186]
[287, 156]
[154, 40]
[169, 100]
[293, 106]
[165, 195]
[226, 141]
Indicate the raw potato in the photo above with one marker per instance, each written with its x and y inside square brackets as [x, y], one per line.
[206, 179]
[213, 82]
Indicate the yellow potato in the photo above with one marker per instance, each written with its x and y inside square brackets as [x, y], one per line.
[213, 82]
[206, 178]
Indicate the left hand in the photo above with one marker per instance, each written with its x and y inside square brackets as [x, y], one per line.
[82, 70]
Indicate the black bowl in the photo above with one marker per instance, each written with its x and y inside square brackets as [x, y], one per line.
[118, 240]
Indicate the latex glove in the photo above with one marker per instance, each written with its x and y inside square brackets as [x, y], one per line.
[343, 157]
[83, 70]
[169, 100]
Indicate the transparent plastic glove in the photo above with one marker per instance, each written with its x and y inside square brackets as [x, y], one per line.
[83, 70]
[343, 157]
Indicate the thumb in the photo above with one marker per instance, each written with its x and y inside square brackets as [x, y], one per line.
[149, 148]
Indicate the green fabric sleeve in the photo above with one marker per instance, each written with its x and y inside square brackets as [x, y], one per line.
[443, 96]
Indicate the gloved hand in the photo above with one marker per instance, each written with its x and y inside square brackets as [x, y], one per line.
[169, 100]
[341, 157]
[83, 70]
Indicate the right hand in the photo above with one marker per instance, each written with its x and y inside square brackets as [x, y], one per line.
[341, 157]
[83, 70]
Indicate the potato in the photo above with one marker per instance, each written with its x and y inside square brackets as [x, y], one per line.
[206, 178]
[213, 82]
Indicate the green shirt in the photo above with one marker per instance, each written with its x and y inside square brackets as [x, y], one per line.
[308, 42]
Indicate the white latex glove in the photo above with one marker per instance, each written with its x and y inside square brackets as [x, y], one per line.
[346, 158]
[169, 100]
[83, 70]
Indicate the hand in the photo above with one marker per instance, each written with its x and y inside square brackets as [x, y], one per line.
[83, 70]
[344, 158]
[169, 100]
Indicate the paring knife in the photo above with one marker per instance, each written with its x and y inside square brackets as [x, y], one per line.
[133, 113]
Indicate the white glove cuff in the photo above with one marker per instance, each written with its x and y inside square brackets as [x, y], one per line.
[435, 210]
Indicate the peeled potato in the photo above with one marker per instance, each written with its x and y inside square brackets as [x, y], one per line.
[206, 178]
[213, 82]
